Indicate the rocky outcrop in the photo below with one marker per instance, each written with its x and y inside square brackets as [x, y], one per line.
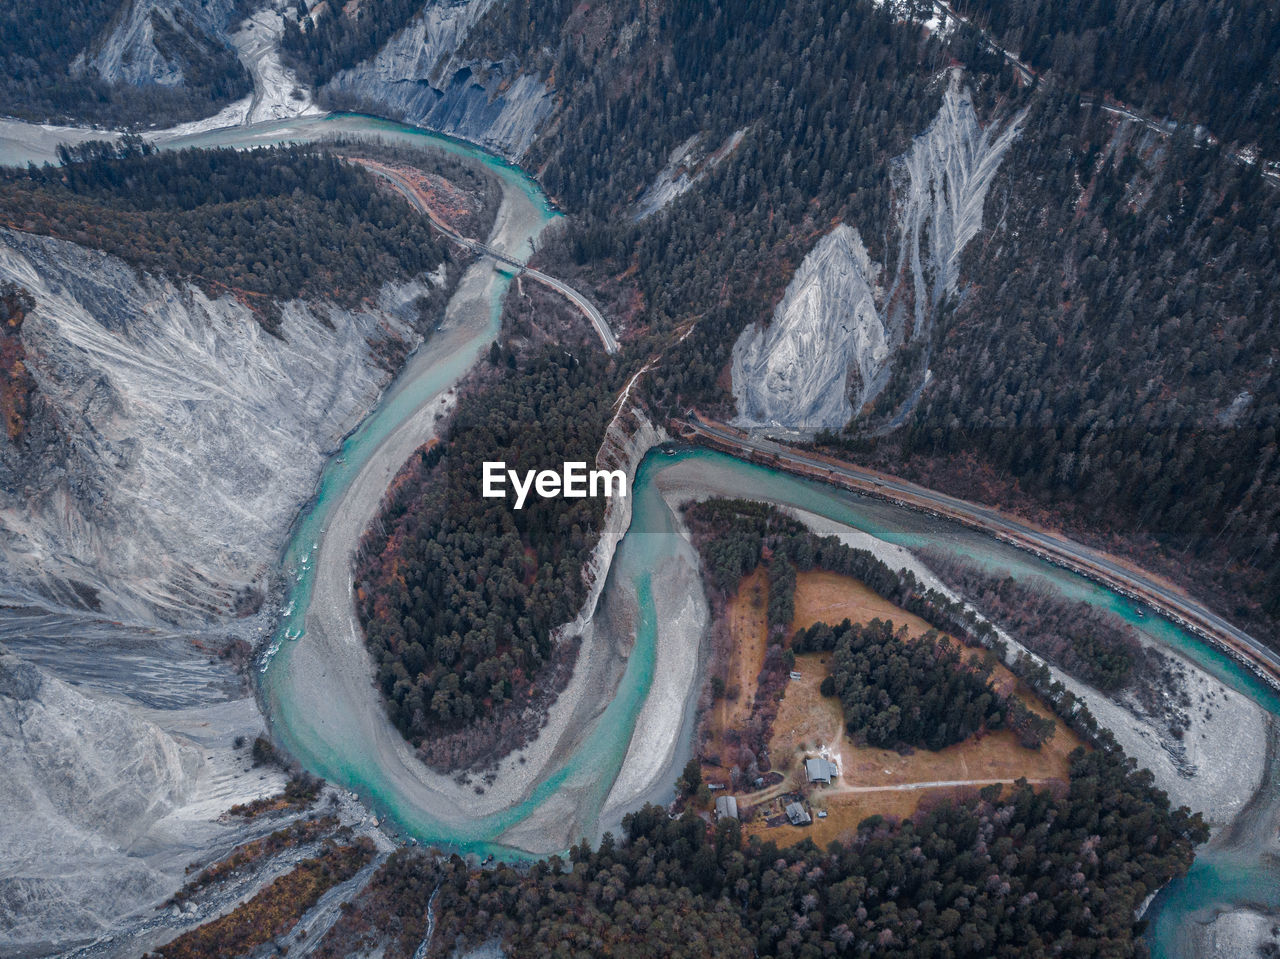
[173, 439]
[629, 437]
[160, 41]
[943, 183]
[687, 164]
[828, 350]
[84, 782]
[826, 341]
[419, 77]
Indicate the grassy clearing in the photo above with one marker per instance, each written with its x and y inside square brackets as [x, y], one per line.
[746, 619]
[808, 721]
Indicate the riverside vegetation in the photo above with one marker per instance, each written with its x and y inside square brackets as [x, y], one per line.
[1011, 873]
[276, 908]
[1087, 642]
[458, 594]
[1129, 387]
[266, 225]
[895, 692]
[1134, 390]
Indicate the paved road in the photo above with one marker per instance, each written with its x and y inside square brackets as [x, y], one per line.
[582, 303]
[1173, 604]
[585, 306]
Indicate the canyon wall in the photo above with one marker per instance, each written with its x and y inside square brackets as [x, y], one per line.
[420, 77]
[829, 347]
[159, 41]
[171, 439]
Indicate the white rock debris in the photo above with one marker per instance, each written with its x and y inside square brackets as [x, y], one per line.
[85, 780]
[947, 174]
[180, 437]
[277, 94]
[686, 165]
[830, 345]
[826, 339]
[129, 53]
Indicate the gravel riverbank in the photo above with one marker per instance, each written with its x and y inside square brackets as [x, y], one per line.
[1215, 768]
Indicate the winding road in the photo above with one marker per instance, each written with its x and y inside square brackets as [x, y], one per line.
[1058, 549]
[418, 201]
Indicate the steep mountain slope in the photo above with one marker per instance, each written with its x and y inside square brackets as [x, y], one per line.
[1116, 352]
[163, 42]
[947, 172]
[1213, 62]
[172, 437]
[420, 76]
[120, 61]
[163, 424]
[825, 336]
[834, 332]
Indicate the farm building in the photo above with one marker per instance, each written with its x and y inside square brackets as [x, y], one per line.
[820, 771]
[726, 806]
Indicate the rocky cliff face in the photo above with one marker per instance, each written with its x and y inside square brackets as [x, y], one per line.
[418, 76]
[826, 341]
[84, 782]
[829, 347]
[171, 440]
[943, 183]
[159, 41]
[629, 437]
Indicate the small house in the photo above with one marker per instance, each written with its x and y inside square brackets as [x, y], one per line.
[797, 815]
[794, 674]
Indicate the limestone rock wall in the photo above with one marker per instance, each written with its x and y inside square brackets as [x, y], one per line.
[173, 439]
[826, 341]
[130, 51]
[830, 345]
[419, 76]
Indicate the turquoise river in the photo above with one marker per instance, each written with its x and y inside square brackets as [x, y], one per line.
[1220, 878]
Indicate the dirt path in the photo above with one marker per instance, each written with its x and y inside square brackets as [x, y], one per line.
[936, 784]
